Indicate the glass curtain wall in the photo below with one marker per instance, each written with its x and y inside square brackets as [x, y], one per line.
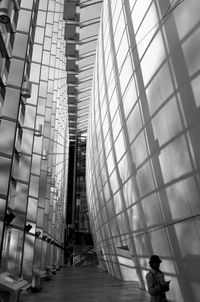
[33, 140]
[143, 145]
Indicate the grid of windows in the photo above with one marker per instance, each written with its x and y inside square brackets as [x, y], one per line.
[33, 137]
[143, 147]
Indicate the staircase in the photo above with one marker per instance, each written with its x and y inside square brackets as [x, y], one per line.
[85, 257]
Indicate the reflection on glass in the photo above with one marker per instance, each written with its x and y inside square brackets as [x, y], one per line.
[21, 197]
[5, 166]
[12, 251]
[7, 133]
[32, 209]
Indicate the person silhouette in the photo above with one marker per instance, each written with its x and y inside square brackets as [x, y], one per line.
[157, 286]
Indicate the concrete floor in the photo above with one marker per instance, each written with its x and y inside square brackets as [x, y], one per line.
[86, 284]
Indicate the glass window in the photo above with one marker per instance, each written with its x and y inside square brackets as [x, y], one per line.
[47, 43]
[49, 30]
[129, 193]
[40, 217]
[34, 186]
[147, 29]
[175, 160]
[134, 122]
[139, 149]
[1, 231]
[46, 58]
[20, 201]
[53, 63]
[117, 201]
[49, 100]
[27, 141]
[111, 89]
[116, 14]
[16, 72]
[114, 182]
[37, 144]
[160, 88]
[113, 227]
[42, 189]
[43, 5]
[122, 52]
[121, 221]
[34, 95]
[183, 199]
[116, 125]
[103, 109]
[11, 103]
[37, 53]
[24, 167]
[152, 211]
[12, 250]
[191, 52]
[145, 179]
[29, 120]
[196, 90]
[35, 72]
[7, 134]
[32, 209]
[35, 167]
[39, 35]
[41, 18]
[51, 6]
[160, 241]
[20, 45]
[28, 255]
[125, 74]
[2, 208]
[50, 16]
[110, 163]
[130, 97]
[105, 126]
[109, 68]
[107, 144]
[51, 86]
[167, 123]
[183, 13]
[44, 73]
[41, 106]
[120, 30]
[47, 129]
[113, 104]
[48, 115]
[124, 168]
[135, 220]
[153, 58]
[119, 146]
[43, 89]
[26, 4]
[140, 8]
[24, 19]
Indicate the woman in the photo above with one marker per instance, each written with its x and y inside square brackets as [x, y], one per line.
[157, 286]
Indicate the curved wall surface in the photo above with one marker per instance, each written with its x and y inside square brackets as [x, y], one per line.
[143, 150]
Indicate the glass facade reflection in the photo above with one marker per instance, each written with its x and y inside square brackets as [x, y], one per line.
[33, 137]
[143, 142]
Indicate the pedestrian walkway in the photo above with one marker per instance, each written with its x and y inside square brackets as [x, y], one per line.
[86, 284]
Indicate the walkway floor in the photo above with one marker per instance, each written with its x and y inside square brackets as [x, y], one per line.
[86, 284]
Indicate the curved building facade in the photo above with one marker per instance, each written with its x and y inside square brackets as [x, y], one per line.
[143, 149]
